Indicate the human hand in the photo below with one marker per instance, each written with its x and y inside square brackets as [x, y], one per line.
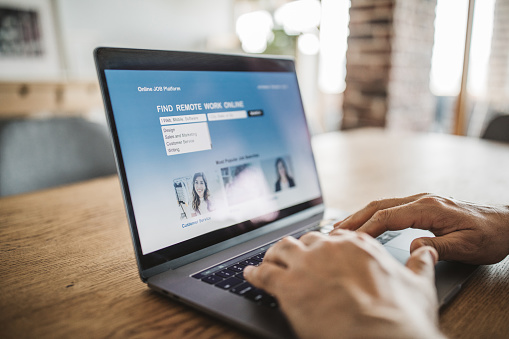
[465, 232]
[349, 286]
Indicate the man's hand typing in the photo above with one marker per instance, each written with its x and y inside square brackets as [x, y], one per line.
[348, 285]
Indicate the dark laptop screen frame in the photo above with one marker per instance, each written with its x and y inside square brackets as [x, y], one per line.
[153, 60]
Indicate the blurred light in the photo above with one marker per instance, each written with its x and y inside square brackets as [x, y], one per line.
[309, 44]
[449, 46]
[482, 33]
[447, 59]
[333, 44]
[298, 16]
[255, 31]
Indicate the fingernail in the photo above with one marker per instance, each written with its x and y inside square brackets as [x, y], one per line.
[431, 251]
[339, 231]
[337, 224]
[248, 269]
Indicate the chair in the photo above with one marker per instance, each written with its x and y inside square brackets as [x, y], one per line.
[497, 129]
[37, 154]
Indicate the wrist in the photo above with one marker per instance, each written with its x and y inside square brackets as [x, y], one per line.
[394, 323]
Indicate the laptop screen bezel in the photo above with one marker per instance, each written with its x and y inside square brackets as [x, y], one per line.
[153, 60]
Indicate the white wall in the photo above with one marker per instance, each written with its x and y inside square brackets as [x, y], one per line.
[154, 24]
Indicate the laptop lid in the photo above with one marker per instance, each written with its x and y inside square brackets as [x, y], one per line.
[209, 148]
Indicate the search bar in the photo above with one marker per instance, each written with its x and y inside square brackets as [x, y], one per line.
[227, 115]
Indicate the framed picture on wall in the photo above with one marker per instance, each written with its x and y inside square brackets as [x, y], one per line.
[28, 42]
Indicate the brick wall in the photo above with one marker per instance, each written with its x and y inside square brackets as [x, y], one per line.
[388, 64]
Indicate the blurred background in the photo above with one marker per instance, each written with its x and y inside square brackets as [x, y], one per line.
[416, 65]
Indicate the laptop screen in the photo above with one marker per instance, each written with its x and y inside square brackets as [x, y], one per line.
[209, 155]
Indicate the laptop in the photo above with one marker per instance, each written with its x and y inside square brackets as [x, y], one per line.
[215, 162]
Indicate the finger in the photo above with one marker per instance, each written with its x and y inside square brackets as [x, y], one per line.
[338, 223]
[340, 232]
[266, 276]
[422, 262]
[359, 218]
[284, 251]
[311, 237]
[445, 247]
[345, 234]
[415, 214]
[360, 239]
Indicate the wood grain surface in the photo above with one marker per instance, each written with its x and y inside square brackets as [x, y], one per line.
[68, 266]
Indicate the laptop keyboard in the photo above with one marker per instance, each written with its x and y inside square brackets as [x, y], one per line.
[229, 275]
[387, 236]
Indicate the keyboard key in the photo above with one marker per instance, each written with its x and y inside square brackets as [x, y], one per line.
[257, 295]
[225, 273]
[240, 275]
[212, 279]
[248, 262]
[229, 283]
[242, 288]
[261, 297]
[209, 271]
[269, 301]
[256, 258]
[387, 236]
[236, 268]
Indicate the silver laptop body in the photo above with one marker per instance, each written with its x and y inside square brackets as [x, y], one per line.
[215, 162]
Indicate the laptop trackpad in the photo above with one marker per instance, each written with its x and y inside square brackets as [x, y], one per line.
[449, 275]
[399, 246]
[405, 238]
[400, 255]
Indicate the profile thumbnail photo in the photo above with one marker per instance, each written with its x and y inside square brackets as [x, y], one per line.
[279, 173]
[197, 194]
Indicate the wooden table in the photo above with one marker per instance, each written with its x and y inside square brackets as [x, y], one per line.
[68, 268]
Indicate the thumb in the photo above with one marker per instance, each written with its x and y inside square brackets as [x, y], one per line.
[440, 244]
[422, 261]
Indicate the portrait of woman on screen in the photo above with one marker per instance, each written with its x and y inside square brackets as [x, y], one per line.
[284, 180]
